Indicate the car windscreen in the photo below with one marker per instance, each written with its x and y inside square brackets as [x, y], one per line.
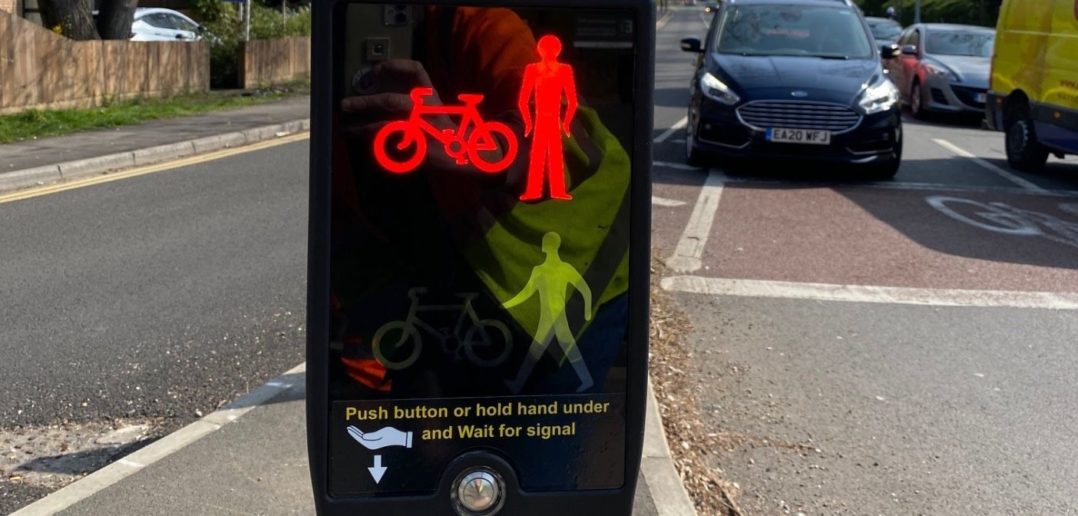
[885, 29]
[960, 43]
[793, 30]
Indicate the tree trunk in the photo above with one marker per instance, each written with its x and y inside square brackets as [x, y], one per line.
[73, 17]
[114, 20]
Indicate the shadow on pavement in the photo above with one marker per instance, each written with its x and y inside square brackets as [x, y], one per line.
[78, 463]
[968, 120]
[295, 393]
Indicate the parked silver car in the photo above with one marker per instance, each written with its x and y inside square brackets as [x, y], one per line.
[943, 68]
[154, 24]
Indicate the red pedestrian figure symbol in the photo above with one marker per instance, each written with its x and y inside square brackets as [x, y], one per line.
[548, 80]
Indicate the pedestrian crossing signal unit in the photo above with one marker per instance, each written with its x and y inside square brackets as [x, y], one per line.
[478, 256]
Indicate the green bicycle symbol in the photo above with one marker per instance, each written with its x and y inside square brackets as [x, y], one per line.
[486, 342]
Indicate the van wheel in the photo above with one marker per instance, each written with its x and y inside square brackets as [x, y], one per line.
[1024, 152]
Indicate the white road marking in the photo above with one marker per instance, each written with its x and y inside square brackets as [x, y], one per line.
[1005, 219]
[669, 203]
[167, 445]
[664, 20]
[987, 165]
[674, 165]
[693, 240]
[883, 185]
[680, 124]
[871, 294]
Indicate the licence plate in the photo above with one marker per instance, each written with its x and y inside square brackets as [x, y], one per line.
[805, 136]
[980, 98]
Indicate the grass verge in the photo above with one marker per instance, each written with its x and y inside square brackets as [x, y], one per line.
[38, 123]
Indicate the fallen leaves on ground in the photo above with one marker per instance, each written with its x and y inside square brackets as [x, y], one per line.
[676, 390]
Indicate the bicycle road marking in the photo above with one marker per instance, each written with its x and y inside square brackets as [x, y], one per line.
[1002, 218]
[871, 294]
[988, 166]
[690, 248]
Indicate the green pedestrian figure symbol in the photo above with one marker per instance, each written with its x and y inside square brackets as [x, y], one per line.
[551, 280]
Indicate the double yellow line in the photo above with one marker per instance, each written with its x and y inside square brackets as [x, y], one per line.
[150, 169]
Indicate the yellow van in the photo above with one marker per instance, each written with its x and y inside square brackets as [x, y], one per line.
[1033, 93]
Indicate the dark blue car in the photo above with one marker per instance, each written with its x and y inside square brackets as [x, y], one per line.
[793, 80]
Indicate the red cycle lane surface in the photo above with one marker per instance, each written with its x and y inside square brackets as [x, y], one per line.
[674, 196]
[901, 238]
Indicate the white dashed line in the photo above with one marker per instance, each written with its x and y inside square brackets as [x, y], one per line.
[669, 203]
[987, 165]
[664, 20]
[690, 248]
[680, 124]
[871, 294]
[674, 165]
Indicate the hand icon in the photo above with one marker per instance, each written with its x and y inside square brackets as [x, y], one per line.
[382, 438]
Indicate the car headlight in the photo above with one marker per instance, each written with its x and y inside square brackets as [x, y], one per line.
[716, 90]
[877, 97]
[940, 71]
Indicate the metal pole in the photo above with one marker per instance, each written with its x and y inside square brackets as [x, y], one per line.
[247, 21]
[917, 12]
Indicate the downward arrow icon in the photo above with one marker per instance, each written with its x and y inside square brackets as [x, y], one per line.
[377, 470]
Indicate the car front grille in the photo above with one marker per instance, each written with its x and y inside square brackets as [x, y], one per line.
[794, 114]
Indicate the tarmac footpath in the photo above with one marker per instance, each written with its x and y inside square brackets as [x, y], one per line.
[250, 457]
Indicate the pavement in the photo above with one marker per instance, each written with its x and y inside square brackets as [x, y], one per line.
[43, 161]
[250, 456]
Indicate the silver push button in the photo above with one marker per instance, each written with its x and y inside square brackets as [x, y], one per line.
[479, 491]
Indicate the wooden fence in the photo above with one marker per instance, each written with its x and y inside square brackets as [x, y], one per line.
[275, 61]
[40, 69]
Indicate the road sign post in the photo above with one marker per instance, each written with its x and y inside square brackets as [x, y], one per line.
[479, 256]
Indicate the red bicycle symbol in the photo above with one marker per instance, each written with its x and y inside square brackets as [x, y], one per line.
[472, 141]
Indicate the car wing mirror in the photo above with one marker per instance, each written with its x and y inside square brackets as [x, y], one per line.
[692, 45]
[909, 50]
[889, 51]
